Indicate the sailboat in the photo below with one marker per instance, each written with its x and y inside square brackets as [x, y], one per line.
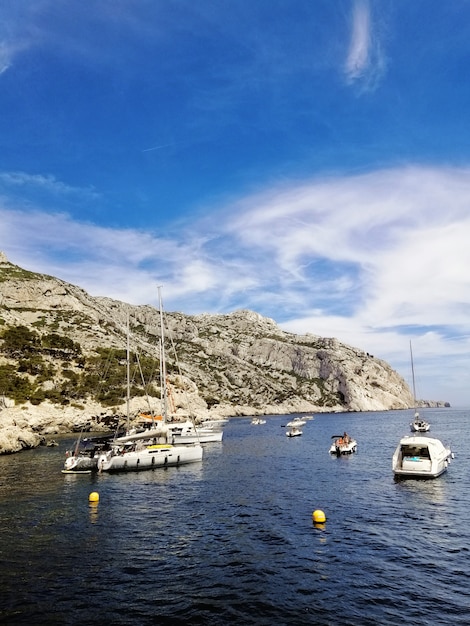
[418, 425]
[150, 448]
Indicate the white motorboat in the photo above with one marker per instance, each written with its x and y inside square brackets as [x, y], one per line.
[343, 444]
[297, 422]
[294, 431]
[187, 432]
[152, 447]
[257, 420]
[421, 456]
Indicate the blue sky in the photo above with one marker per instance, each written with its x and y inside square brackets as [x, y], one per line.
[308, 160]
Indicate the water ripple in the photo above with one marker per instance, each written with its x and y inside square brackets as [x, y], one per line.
[232, 540]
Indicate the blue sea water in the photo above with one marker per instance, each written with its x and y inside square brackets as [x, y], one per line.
[232, 541]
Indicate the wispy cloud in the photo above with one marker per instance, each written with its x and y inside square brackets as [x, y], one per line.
[44, 182]
[6, 55]
[367, 259]
[365, 62]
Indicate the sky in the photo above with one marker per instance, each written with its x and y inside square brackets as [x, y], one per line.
[305, 159]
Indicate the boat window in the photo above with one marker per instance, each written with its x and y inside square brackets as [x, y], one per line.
[414, 451]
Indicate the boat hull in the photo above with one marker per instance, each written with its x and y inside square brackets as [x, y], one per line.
[419, 427]
[80, 463]
[150, 457]
[293, 432]
[340, 449]
[200, 437]
[186, 432]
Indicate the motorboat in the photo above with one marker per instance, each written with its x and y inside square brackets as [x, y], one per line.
[187, 432]
[294, 431]
[421, 456]
[297, 422]
[257, 421]
[343, 444]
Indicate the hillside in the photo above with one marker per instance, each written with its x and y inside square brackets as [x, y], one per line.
[62, 354]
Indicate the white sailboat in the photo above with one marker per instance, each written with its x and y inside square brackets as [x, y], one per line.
[418, 425]
[151, 447]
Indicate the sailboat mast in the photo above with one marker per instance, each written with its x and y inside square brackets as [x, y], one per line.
[164, 390]
[413, 374]
[128, 374]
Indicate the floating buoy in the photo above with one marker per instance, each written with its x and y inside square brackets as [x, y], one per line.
[318, 517]
[94, 497]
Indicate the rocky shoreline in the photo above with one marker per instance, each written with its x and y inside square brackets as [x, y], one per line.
[27, 426]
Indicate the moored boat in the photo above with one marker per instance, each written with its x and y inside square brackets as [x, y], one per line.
[187, 432]
[144, 454]
[343, 444]
[297, 422]
[421, 456]
[84, 455]
[418, 425]
[294, 431]
[150, 448]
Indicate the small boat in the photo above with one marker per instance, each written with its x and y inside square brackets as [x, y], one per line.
[296, 423]
[343, 444]
[187, 432]
[257, 420]
[418, 425]
[420, 456]
[294, 431]
[84, 456]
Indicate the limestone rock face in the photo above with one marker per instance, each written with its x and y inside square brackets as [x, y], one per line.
[239, 363]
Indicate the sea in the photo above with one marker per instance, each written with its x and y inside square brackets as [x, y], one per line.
[232, 540]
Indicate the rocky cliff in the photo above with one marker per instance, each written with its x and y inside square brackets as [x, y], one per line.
[52, 333]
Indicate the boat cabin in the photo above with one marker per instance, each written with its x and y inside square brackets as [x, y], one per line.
[415, 457]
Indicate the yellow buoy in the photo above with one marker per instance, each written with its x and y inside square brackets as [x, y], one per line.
[318, 517]
[94, 497]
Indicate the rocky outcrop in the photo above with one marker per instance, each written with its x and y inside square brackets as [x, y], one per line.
[235, 364]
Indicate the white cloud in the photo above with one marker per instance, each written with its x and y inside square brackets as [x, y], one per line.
[5, 57]
[47, 183]
[359, 50]
[365, 62]
[365, 259]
